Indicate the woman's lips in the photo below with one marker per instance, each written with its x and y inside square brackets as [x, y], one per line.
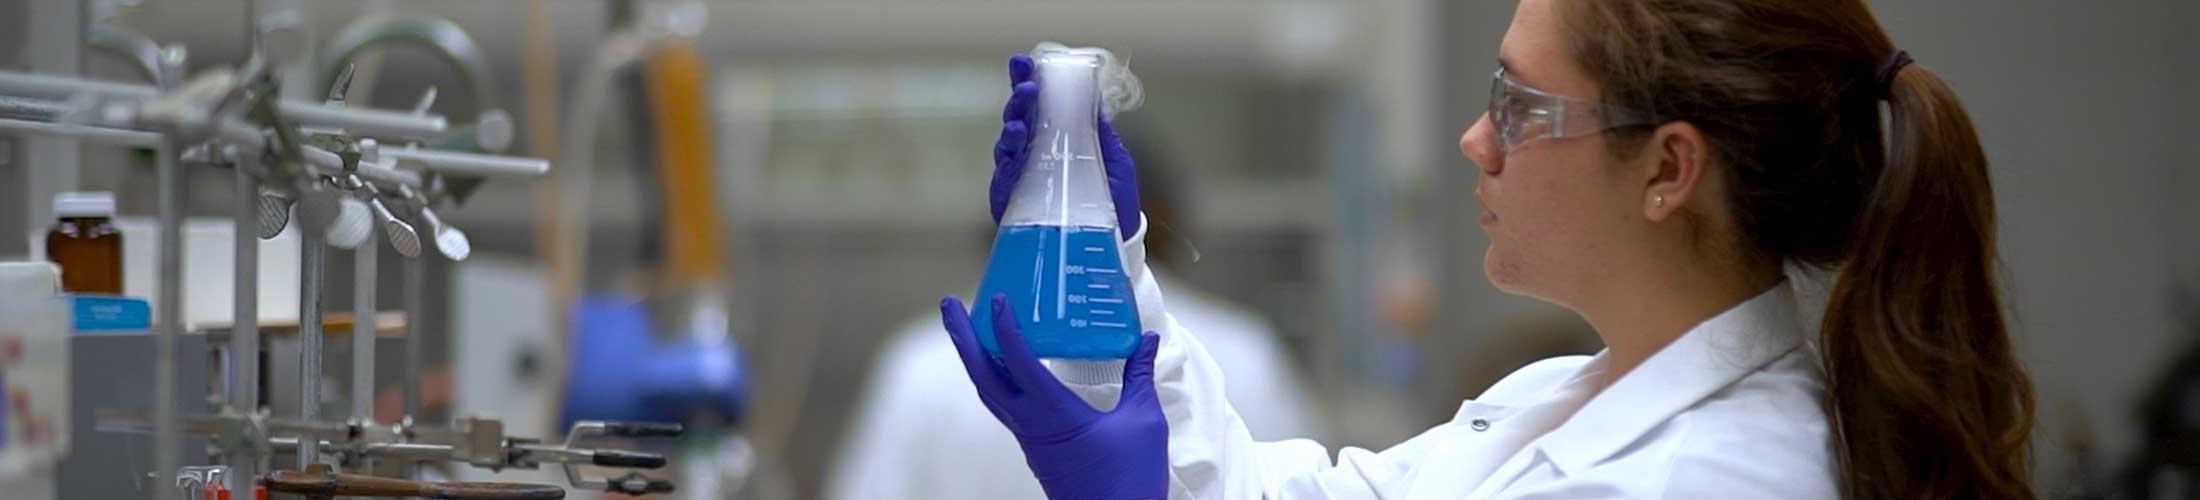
[1488, 217]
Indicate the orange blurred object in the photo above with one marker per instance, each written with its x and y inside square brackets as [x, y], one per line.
[682, 134]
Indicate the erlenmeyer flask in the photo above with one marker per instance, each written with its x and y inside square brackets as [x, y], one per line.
[1056, 256]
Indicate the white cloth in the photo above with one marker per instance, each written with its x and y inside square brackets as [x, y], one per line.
[1728, 410]
[921, 433]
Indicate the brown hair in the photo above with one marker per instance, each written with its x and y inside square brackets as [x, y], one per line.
[1924, 392]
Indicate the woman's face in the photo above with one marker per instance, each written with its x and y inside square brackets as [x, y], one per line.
[1561, 213]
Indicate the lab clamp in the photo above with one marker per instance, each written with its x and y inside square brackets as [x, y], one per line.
[476, 441]
[347, 174]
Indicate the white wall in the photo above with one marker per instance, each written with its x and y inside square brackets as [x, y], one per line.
[2073, 102]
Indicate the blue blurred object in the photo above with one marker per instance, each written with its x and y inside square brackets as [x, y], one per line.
[620, 370]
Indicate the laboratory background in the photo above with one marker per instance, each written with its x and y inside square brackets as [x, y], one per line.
[694, 249]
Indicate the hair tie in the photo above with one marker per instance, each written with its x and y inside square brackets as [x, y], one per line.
[1885, 76]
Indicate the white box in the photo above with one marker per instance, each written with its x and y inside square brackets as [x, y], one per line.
[209, 277]
[34, 371]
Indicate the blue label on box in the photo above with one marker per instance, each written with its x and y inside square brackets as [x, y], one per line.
[100, 313]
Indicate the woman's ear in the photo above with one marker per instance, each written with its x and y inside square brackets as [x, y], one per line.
[1677, 159]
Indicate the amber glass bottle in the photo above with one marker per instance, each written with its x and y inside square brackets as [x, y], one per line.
[86, 243]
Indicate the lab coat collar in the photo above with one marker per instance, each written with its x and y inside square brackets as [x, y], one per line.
[1706, 359]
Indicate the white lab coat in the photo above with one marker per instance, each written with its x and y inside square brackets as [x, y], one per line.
[1729, 410]
[921, 433]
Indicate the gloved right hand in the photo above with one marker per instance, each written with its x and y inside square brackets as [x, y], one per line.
[1076, 452]
[1014, 148]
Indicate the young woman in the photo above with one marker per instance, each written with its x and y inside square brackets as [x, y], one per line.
[1655, 166]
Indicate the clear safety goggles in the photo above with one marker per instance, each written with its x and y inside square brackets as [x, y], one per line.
[1522, 114]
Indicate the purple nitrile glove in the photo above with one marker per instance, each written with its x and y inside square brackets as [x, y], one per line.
[1077, 452]
[1010, 152]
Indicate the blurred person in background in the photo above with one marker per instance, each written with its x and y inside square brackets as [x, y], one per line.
[917, 434]
[1660, 167]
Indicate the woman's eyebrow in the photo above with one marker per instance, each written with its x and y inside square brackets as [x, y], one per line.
[1513, 72]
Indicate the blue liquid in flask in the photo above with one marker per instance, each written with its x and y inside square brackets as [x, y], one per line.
[1067, 291]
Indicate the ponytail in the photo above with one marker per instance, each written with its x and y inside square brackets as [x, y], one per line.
[1927, 396]
[1923, 390]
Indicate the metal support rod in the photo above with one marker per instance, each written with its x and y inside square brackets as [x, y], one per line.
[416, 287]
[368, 122]
[363, 276]
[244, 335]
[416, 306]
[116, 136]
[314, 250]
[53, 44]
[452, 162]
[36, 109]
[167, 431]
[167, 440]
[250, 138]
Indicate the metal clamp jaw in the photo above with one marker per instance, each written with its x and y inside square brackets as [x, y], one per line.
[631, 483]
[481, 442]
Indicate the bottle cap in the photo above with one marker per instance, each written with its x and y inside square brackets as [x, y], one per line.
[84, 204]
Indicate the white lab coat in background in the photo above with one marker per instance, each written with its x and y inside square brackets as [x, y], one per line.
[921, 433]
[1729, 410]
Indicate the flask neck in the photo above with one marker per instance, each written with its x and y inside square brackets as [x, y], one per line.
[1068, 92]
[1064, 182]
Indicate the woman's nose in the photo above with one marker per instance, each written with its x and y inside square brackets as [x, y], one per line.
[1479, 145]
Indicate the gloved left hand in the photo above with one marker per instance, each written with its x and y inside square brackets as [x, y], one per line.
[1077, 452]
[1014, 148]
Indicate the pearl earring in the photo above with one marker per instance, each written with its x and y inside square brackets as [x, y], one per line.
[1660, 202]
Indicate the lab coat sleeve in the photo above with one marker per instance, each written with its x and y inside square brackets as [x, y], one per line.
[1211, 454]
